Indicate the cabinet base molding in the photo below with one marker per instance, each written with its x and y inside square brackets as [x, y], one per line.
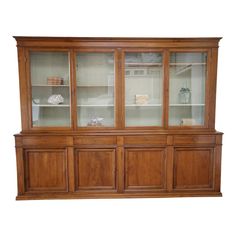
[117, 195]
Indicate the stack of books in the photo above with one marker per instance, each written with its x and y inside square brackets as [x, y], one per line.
[55, 80]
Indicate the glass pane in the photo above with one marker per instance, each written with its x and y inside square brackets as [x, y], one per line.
[187, 89]
[95, 89]
[50, 79]
[143, 89]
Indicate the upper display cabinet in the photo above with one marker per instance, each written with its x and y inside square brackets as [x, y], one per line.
[117, 83]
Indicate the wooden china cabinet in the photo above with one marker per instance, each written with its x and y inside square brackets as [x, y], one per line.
[117, 117]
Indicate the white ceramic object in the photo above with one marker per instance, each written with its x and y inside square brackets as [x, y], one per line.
[97, 121]
[55, 99]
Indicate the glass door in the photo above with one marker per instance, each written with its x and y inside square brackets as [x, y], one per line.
[143, 89]
[188, 73]
[95, 78]
[50, 81]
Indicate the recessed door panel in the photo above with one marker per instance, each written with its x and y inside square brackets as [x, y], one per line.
[145, 169]
[95, 169]
[45, 170]
[193, 168]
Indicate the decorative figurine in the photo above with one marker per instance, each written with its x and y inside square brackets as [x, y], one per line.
[184, 95]
[55, 99]
[97, 121]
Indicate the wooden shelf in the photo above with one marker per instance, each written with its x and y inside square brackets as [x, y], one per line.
[186, 105]
[67, 105]
[95, 105]
[144, 105]
[142, 64]
[49, 105]
[47, 85]
[94, 86]
[187, 63]
[158, 105]
[82, 86]
[154, 77]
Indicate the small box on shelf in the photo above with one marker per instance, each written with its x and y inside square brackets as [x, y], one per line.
[141, 99]
[55, 80]
[96, 122]
[188, 121]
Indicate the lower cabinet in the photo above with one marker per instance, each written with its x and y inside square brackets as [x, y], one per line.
[45, 170]
[145, 169]
[95, 169]
[124, 167]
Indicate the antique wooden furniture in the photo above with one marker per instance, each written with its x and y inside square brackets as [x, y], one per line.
[117, 117]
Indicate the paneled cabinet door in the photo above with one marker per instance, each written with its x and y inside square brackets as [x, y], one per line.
[145, 169]
[45, 170]
[95, 169]
[193, 168]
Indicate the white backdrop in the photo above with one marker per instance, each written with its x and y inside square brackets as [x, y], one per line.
[154, 18]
